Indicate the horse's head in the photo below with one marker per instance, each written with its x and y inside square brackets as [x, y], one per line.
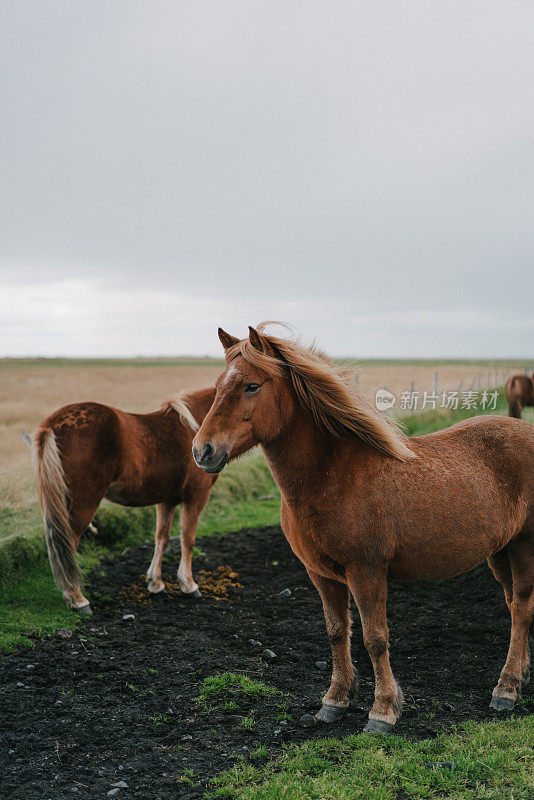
[249, 404]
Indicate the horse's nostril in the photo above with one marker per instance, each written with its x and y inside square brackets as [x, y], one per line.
[208, 452]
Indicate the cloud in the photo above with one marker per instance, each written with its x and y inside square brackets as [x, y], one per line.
[90, 317]
[317, 162]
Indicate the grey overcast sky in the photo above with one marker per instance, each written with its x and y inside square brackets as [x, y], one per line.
[362, 170]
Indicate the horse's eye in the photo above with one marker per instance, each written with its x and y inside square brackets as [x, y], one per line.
[251, 388]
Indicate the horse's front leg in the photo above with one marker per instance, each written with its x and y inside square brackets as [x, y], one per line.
[190, 515]
[369, 589]
[164, 515]
[335, 597]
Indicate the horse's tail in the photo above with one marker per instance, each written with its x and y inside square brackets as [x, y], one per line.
[512, 392]
[53, 495]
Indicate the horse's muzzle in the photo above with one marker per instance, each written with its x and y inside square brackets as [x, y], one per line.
[209, 459]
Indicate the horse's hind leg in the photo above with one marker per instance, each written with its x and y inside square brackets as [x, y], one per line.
[81, 517]
[515, 670]
[515, 408]
[500, 566]
[164, 515]
[335, 597]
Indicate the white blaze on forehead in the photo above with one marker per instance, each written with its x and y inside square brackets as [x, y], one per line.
[230, 372]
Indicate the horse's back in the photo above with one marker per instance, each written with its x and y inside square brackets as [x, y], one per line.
[502, 445]
[82, 426]
[156, 458]
[485, 428]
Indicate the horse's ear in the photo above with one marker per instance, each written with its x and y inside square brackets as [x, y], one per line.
[255, 339]
[226, 340]
[259, 342]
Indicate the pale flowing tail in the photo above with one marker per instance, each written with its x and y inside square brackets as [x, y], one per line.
[53, 495]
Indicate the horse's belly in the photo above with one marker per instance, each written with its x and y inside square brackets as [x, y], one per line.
[141, 495]
[452, 534]
[423, 560]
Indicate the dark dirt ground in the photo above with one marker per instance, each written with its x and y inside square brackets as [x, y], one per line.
[117, 700]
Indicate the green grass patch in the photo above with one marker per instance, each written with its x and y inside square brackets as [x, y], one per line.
[32, 605]
[20, 551]
[229, 684]
[231, 692]
[488, 761]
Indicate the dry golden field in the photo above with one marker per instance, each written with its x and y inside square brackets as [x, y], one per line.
[32, 389]
[30, 392]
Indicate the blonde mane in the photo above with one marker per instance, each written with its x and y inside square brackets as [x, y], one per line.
[180, 404]
[323, 388]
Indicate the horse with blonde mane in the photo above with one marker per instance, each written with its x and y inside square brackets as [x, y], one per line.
[87, 451]
[362, 504]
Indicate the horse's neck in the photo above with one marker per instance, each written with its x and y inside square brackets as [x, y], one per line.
[300, 456]
[200, 402]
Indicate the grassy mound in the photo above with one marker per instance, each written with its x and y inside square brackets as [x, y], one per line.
[490, 760]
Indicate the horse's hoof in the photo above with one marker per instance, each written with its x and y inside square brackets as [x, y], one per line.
[501, 703]
[330, 714]
[377, 726]
[85, 610]
[194, 594]
[308, 720]
[156, 588]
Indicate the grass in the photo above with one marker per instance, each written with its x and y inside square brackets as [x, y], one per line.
[32, 606]
[488, 761]
[231, 683]
[231, 692]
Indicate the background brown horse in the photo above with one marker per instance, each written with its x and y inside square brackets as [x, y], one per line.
[86, 451]
[519, 392]
[361, 503]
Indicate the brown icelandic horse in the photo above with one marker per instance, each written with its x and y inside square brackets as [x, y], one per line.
[86, 451]
[361, 503]
[519, 392]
